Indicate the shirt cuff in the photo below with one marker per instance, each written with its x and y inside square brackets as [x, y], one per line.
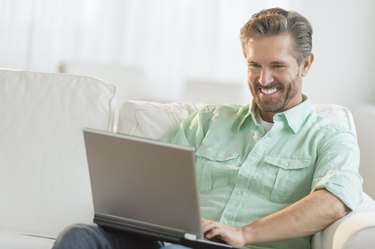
[346, 187]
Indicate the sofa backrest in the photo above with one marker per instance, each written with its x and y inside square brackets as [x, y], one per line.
[44, 183]
[153, 119]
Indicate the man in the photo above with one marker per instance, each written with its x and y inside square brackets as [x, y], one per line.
[273, 174]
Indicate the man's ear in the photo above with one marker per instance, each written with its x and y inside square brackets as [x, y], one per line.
[305, 67]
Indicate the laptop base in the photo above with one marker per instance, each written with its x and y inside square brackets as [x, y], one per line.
[156, 232]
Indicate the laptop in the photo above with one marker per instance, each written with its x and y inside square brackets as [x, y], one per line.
[146, 187]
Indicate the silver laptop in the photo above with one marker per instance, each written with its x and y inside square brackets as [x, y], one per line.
[145, 187]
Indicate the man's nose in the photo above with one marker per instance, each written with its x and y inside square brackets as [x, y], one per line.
[265, 77]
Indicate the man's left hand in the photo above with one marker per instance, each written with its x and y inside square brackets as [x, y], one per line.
[219, 232]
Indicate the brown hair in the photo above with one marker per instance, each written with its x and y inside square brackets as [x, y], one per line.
[277, 21]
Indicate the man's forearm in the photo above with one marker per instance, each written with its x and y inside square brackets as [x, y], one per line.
[305, 217]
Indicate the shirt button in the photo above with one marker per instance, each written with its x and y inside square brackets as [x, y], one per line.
[255, 136]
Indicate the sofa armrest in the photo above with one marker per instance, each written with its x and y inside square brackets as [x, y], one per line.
[355, 230]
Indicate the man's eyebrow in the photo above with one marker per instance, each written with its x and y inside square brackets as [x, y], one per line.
[251, 62]
[277, 62]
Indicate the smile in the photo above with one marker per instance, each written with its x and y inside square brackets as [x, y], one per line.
[268, 91]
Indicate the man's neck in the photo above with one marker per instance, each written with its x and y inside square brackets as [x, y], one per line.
[267, 116]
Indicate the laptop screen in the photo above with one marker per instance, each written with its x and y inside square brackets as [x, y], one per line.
[142, 179]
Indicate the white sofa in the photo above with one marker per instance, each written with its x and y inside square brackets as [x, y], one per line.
[44, 183]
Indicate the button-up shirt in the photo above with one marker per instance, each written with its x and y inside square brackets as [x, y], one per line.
[245, 173]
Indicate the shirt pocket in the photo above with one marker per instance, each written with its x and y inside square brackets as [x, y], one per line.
[216, 169]
[292, 180]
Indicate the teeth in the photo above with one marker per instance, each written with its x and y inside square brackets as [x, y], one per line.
[268, 91]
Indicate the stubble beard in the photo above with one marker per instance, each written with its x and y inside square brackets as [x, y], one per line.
[280, 103]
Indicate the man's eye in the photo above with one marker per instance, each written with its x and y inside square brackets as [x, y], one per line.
[252, 65]
[278, 66]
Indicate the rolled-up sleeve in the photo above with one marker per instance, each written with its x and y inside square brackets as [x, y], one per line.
[337, 168]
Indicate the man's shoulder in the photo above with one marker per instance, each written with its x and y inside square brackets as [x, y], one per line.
[329, 126]
[220, 109]
[218, 116]
[334, 117]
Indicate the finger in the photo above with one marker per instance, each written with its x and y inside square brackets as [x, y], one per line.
[204, 222]
[215, 232]
[208, 225]
[211, 227]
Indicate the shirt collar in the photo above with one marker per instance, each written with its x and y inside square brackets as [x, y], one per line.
[250, 113]
[294, 117]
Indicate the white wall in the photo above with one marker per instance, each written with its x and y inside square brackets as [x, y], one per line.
[343, 71]
[171, 42]
[344, 51]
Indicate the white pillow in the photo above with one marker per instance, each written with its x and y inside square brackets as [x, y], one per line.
[44, 181]
[152, 119]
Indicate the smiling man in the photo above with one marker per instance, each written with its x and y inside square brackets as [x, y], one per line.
[275, 75]
[270, 174]
[274, 173]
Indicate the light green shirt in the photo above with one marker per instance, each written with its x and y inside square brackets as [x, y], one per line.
[245, 173]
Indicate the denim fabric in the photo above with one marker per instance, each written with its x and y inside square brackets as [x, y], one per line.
[176, 247]
[82, 236]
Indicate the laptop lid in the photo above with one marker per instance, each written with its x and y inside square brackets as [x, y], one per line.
[144, 180]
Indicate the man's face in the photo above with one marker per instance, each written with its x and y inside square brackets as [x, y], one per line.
[274, 76]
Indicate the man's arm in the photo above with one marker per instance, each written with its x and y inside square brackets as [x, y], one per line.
[307, 216]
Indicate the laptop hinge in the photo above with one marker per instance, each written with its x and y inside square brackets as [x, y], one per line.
[190, 236]
[138, 227]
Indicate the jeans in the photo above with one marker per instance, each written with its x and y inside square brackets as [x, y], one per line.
[82, 236]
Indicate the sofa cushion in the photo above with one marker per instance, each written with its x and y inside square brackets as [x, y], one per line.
[44, 181]
[20, 241]
[153, 119]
